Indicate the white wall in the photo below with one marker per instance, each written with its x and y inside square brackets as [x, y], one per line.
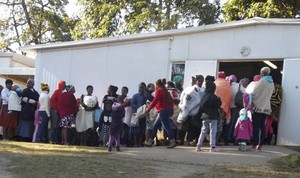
[289, 122]
[120, 65]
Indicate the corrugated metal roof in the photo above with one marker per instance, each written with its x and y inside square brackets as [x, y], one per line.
[167, 33]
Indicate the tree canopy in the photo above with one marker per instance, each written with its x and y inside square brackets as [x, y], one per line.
[103, 18]
[243, 9]
[34, 22]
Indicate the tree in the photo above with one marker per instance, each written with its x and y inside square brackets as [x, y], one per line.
[34, 22]
[243, 9]
[104, 18]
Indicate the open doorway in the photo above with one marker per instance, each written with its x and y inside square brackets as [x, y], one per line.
[251, 68]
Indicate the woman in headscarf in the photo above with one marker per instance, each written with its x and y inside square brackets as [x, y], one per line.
[30, 100]
[262, 106]
[223, 90]
[178, 80]
[54, 102]
[67, 110]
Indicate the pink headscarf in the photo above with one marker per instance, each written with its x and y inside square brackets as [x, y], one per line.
[256, 78]
[221, 74]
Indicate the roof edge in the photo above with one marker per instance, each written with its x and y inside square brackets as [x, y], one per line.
[160, 34]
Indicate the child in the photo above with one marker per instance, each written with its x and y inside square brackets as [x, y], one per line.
[104, 122]
[243, 129]
[209, 106]
[116, 124]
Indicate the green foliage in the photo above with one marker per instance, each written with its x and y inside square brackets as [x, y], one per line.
[104, 18]
[244, 9]
[35, 22]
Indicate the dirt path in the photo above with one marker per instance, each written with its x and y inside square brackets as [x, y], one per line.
[3, 168]
[183, 161]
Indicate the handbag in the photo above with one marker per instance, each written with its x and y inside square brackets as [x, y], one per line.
[134, 120]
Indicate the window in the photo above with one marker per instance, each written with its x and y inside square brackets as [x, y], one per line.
[177, 69]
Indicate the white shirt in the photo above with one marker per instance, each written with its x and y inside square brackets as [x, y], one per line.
[44, 101]
[5, 95]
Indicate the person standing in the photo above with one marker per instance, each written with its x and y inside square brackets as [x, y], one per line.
[8, 118]
[30, 100]
[137, 101]
[54, 102]
[67, 111]
[44, 114]
[262, 106]
[164, 105]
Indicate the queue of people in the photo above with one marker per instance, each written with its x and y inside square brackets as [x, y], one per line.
[209, 105]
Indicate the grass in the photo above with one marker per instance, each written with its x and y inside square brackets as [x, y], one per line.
[288, 166]
[45, 160]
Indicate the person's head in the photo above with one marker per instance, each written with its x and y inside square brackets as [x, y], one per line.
[89, 90]
[160, 83]
[61, 85]
[221, 74]
[150, 87]
[70, 88]
[178, 80]
[265, 71]
[193, 80]
[232, 78]
[124, 91]
[210, 87]
[8, 84]
[30, 83]
[244, 82]
[44, 87]
[142, 87]
[107, 105]
[256, 78]
[170, 84]
[199, 80]
[112, 90]
[210, 78]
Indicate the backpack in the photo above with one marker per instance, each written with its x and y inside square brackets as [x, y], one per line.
[238, 102]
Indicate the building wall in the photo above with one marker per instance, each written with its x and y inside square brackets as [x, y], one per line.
[128, 63]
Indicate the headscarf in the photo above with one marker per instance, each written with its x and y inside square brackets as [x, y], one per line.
[221, 74]
[232, 78]
[44, 86]
[256, 78]
[30, 80]
[177, 79]
[61, 84]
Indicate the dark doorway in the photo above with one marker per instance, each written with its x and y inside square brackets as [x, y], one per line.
[250, 69]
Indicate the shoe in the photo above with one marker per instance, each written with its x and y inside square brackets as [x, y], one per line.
[118, 148]
[214, 149]
[148, 144]
[109, 149]
[198, 148]
[258, 148]
[172, 144]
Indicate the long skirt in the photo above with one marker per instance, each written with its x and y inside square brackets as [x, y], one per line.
[8, 119]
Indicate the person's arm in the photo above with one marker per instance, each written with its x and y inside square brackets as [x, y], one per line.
[47, 105]
[157, 97]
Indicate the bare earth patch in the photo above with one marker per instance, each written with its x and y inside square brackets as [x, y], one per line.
[19, 159]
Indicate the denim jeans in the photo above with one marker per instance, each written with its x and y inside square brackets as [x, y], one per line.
[54, 134]
[42, 134]
[234, 116]
[163, 119]
[211, 125]
[259, 128]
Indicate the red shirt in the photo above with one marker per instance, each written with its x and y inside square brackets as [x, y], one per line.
[160, 100]
[68, 104]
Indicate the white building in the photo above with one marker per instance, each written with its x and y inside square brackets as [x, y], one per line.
[16, 67]
[236, 47]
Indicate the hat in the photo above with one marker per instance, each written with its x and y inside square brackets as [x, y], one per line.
[221, 74]
[44, 86]
[177, 79]
[256, 78]
[232, 78]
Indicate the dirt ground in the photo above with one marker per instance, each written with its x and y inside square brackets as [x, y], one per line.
[184, 161]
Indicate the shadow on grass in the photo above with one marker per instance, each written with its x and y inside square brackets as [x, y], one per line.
[44, 160]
